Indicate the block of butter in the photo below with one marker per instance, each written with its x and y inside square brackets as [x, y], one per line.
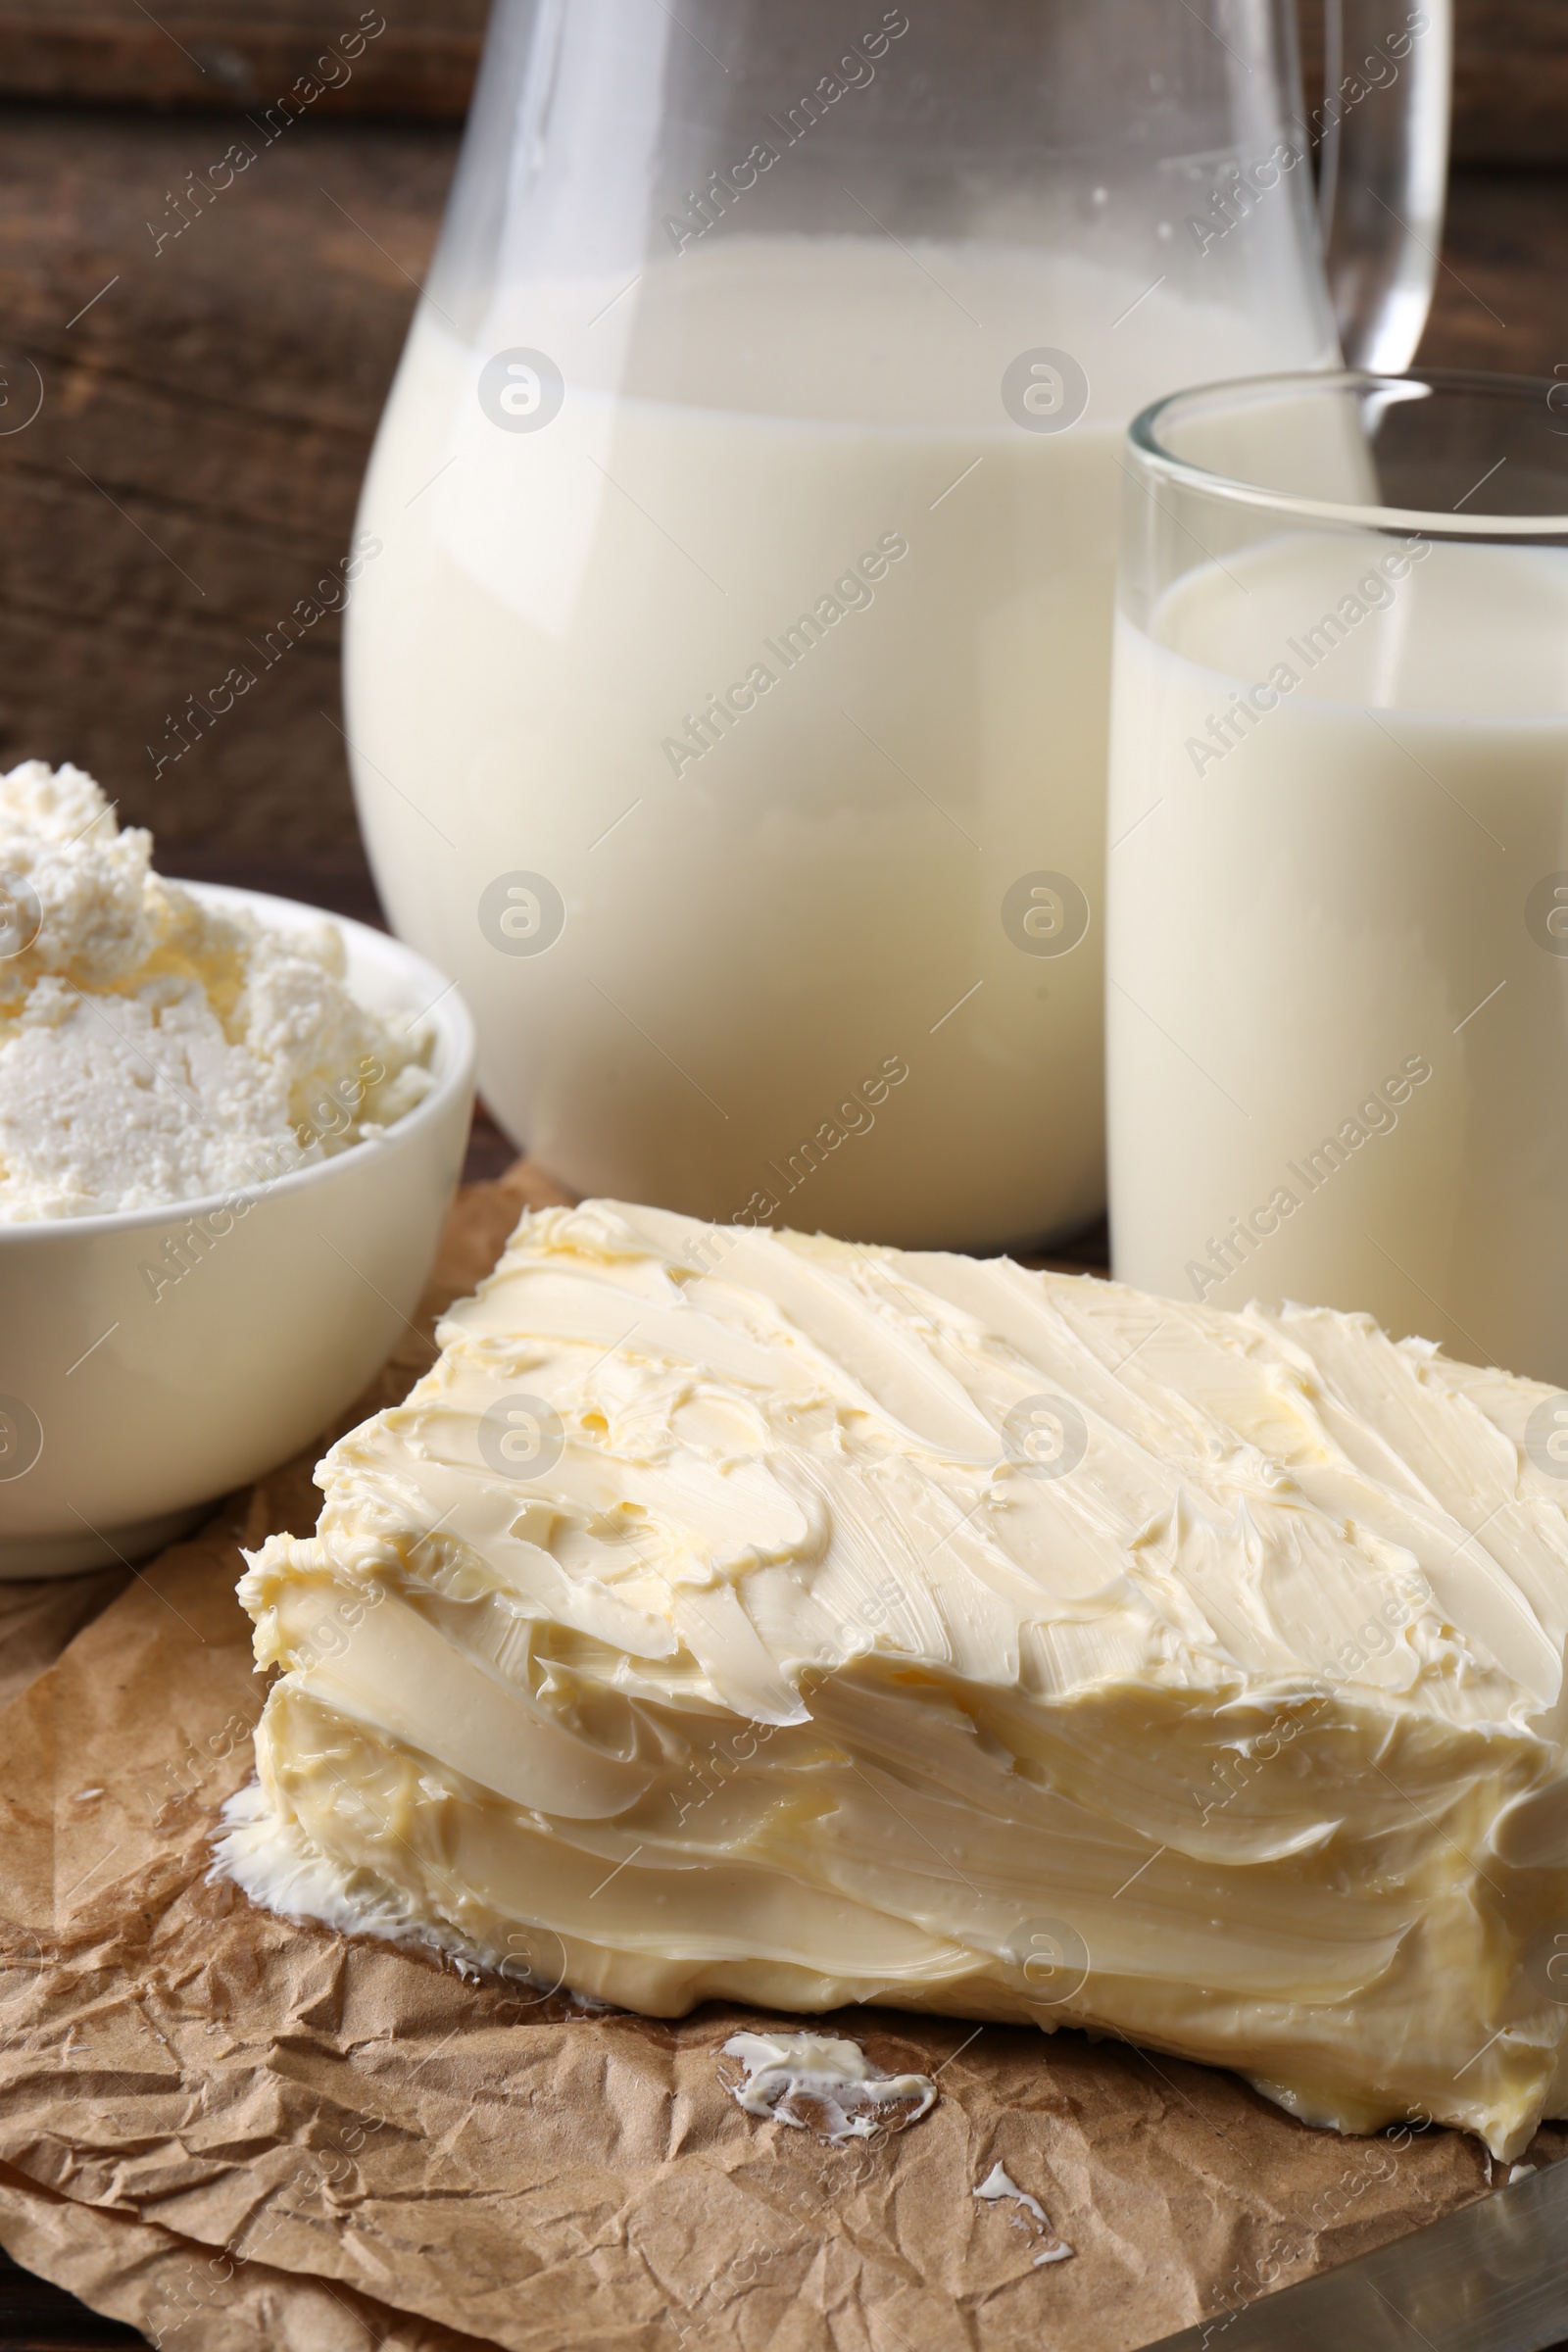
[734, 1613]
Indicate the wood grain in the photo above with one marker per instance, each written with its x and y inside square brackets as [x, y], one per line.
[242, 53]
[1502, 298]
[1510, 61]
[193, 470]
[1510, 82]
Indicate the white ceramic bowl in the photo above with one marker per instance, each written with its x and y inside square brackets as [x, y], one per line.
[129, 1400]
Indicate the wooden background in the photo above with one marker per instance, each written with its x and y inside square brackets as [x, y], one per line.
[194, 467]
[209, 407]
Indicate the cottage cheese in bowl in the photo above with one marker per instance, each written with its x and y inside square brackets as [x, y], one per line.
[156, 1046]
[229, 1133]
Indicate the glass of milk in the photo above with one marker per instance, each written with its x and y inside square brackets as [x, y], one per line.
[728, 667]
[1338, 860]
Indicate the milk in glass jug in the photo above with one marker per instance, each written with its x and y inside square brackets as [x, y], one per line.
[728, 693]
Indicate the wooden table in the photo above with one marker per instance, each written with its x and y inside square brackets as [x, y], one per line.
[210, 406]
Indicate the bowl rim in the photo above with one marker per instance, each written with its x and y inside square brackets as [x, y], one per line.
[456, 1046]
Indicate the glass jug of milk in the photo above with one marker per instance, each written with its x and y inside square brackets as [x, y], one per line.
[727, 685]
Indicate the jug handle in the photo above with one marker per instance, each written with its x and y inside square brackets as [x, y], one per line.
[1383, 171]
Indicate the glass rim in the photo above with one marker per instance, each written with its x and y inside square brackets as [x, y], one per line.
[1143, 431]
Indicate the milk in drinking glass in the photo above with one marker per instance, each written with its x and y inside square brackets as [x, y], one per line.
[1337, 895]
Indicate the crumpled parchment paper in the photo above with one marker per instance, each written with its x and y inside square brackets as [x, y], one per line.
[236, 2131]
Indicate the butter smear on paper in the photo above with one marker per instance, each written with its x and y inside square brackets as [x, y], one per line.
[999, 2184]
[824, 2082]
